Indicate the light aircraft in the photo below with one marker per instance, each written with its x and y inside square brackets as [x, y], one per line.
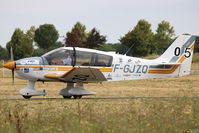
[74, 65]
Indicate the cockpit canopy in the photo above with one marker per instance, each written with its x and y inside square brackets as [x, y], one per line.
[73, 57]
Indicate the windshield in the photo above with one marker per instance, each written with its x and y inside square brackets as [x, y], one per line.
[60, 57]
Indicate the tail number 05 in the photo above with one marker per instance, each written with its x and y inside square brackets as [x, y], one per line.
[187, 52]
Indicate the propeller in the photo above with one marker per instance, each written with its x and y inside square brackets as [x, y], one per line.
[13, 73]
[11, 65]
[12, 59]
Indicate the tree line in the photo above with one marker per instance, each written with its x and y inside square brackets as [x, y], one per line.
[35, 42]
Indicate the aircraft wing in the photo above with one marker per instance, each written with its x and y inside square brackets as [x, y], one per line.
[80, 75]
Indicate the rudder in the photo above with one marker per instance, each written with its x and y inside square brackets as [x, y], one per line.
[180, 52]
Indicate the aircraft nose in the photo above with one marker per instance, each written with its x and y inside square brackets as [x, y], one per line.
[9, 65]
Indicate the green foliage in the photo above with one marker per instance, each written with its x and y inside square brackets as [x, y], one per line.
[145, 42]
[31, 33]
[195, 57]
[196, 49]
[46, 35]
[21, 43]
[142, 39]
[55, 45]
[117, 47]
[95, 40]
[3, 53]
[40, 51]
[106, 47]
[121, 49]
[77, 37]
[163, 37]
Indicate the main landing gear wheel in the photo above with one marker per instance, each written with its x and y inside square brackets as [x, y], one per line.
[77, 96]
[27, 97]
[67, 97]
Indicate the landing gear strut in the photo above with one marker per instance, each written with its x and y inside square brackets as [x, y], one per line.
[65, 91]
[77, 92]
[30, 91]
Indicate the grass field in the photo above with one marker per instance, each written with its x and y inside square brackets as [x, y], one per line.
[157, 105]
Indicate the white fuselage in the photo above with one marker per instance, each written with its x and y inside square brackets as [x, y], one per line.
[122, 68]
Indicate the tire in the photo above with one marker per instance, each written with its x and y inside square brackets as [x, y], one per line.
[67, 97]
[77, 96]
[27, 97]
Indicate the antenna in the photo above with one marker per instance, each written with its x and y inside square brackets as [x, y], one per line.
[129, 48]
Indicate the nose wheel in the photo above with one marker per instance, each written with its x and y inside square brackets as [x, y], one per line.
[27, 97]
[77, 96]
[67, 97]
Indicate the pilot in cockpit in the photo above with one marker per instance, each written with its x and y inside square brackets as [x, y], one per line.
[68, 60]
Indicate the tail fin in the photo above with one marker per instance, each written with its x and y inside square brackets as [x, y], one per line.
[180, 52]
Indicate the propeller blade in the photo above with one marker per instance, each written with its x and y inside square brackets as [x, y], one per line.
[11, 54]
[13, 76]
[12, 59]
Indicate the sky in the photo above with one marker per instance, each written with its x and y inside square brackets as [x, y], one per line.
[113, 18]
